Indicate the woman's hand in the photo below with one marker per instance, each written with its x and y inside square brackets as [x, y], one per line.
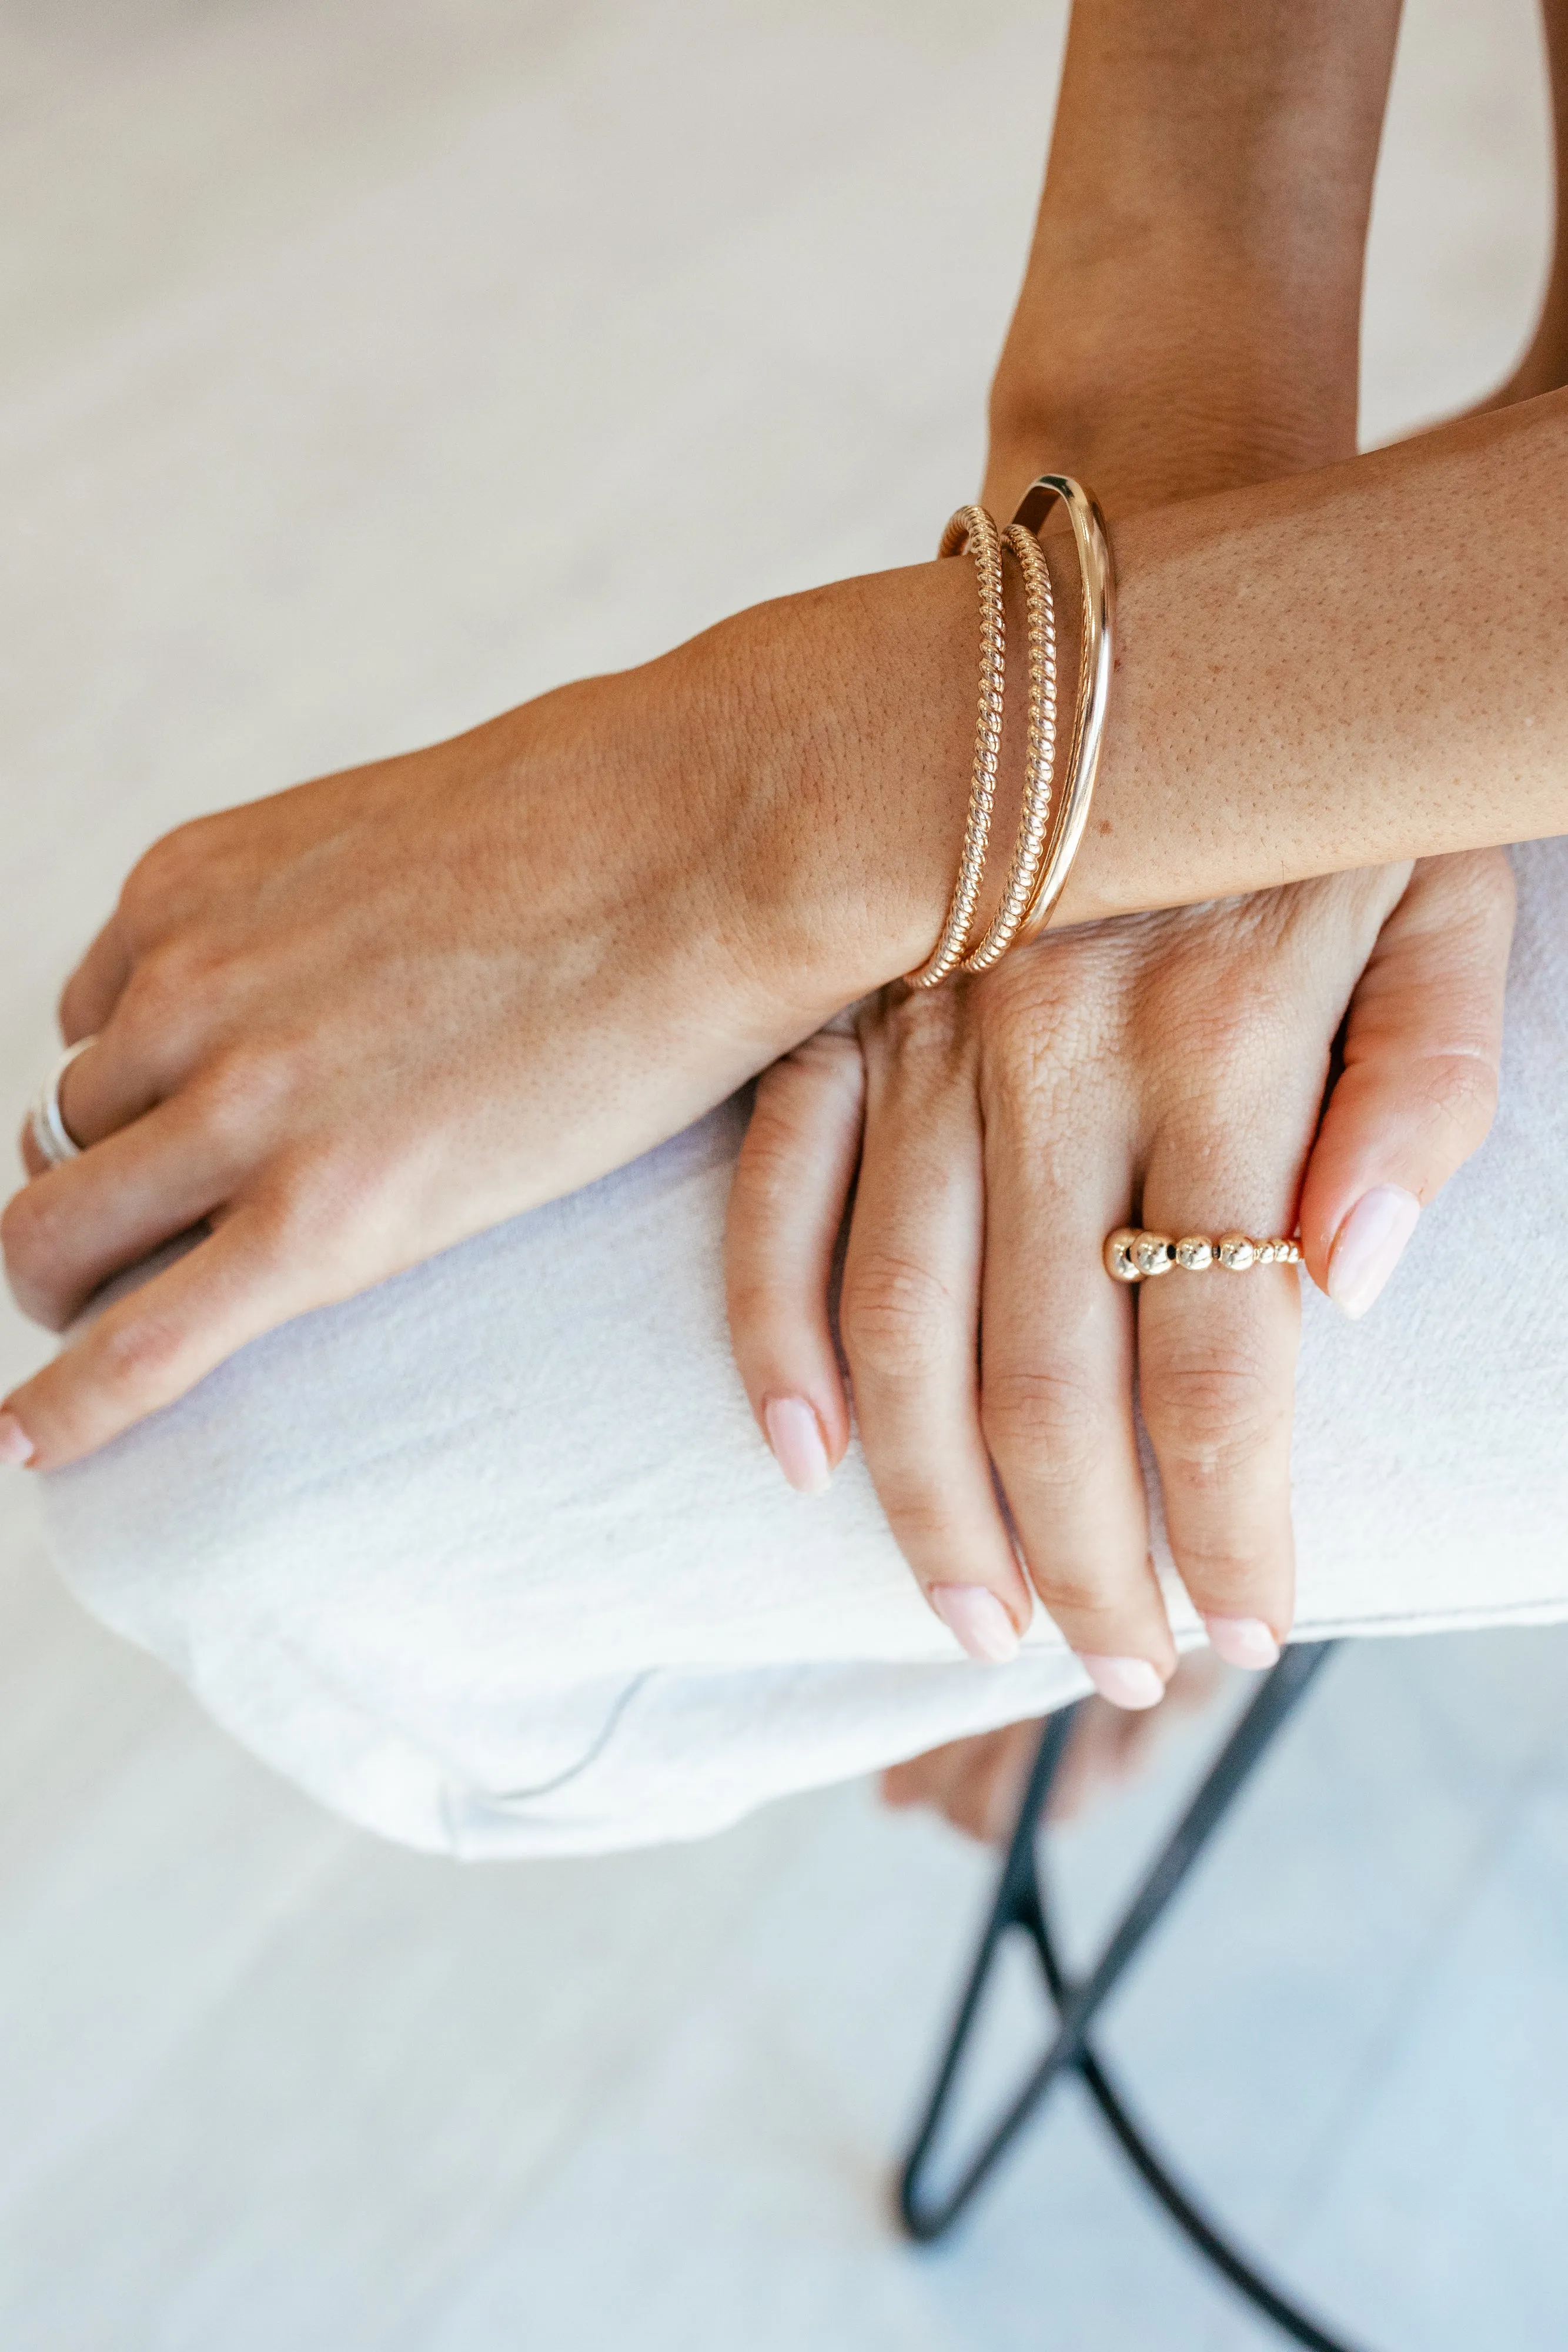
[1188, 323]
[1166, 1071]
[347, 1027]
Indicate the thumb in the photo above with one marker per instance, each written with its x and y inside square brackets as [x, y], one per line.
[1423, 1041]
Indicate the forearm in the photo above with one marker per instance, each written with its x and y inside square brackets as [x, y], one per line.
[1191, 314]
[1345, 668]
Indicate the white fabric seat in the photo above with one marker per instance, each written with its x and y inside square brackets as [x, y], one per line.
[493, 1559]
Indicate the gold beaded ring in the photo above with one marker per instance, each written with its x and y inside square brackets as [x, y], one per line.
[973, 526]
[1131, 1255]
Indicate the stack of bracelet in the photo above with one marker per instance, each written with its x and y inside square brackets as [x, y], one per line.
[1049, 827]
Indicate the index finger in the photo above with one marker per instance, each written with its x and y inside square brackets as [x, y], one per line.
[149, 1347]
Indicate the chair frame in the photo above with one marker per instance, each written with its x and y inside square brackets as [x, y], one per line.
[1020, 1907]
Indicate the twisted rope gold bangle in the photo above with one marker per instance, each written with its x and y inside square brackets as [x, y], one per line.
[1034, 817]
[974, 527]
[1050, 821]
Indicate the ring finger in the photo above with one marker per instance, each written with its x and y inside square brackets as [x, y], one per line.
[1057, 1378]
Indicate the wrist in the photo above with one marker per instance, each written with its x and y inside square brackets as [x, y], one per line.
[838, 727]
[1147, 406]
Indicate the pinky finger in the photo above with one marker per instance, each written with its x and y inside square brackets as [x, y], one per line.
[148, 1349]
[792, 1187]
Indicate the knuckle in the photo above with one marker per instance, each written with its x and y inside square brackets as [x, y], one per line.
[315, 1207]
[829, 1057]
[72, 1009]
[785, 1133]
[163, 997]
[1226, 1569]
[1251, 1029]
[757, 1302]
[169, 877]
[922, 1525]
[1069, 1591]
[1488, 875]
[1048, 1421]
[1461, 1093]
[33, 1236]
[920, 1035]
[21, 1229]
[137, 1357]
[157, 882]
[1501, 888]
[240, 1091]
[897, 1316]
[1212, 1415]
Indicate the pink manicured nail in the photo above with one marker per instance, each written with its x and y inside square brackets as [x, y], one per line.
[1242, 1642]
[1368, 1247]
[977, 1620]
[16, 1445]
[1125, 1682]
[796, 1436]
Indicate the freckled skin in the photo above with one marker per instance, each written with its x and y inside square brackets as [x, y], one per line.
[1175, 1061]
[440, 990]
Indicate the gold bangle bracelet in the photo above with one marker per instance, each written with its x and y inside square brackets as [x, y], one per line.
[974, 527]
[1096, 660]
[1034, 816]
[1050, 822]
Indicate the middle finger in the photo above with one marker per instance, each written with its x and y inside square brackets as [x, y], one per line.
[1056, 1384]
[1217, 1362]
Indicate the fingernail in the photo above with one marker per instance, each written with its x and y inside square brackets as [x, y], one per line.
[16, 1445]
[1125, 1682]
[1242, 1642]
[1368, 1247]
[796, 1436]
[977, 1620]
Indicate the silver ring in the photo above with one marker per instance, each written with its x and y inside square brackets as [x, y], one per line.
[49, 1131]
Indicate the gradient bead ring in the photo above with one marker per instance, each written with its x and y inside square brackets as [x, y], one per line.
[1131, 1255]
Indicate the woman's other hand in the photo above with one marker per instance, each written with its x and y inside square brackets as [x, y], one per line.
[1165, 1071]
[976, 1784]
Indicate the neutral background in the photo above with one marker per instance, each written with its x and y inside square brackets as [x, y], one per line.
[365, 368]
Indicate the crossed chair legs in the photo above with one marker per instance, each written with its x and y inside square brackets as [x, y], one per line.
[1022, 1908]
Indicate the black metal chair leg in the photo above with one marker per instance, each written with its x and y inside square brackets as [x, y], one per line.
[1019, 1904]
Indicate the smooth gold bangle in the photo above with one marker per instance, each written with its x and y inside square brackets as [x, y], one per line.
[1095, 661]
[1034, 816]
[974, 527]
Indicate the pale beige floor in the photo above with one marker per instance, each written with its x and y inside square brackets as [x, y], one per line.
[334, 336]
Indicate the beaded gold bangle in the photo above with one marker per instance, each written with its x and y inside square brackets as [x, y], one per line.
[1051, 824]
[1034, 817]
[974, 527]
